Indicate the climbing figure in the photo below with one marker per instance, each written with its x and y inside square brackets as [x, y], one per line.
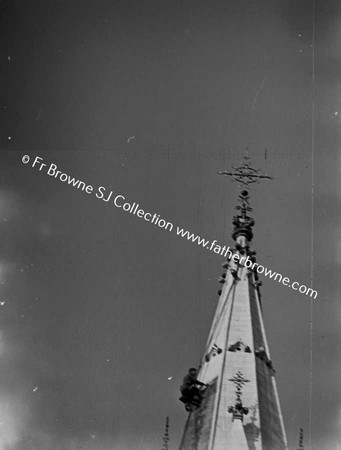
[191, 394]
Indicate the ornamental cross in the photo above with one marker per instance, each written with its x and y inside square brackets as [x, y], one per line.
[239, 380]
[245, 174]
[238, 410]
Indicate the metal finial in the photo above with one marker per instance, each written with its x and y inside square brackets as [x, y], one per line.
[238, 410]
[245, 174]
[165, 438]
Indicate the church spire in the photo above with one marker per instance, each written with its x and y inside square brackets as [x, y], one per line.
[239, 409]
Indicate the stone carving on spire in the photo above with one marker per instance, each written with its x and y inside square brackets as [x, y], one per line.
[242, 222]
[238, 410]
[215, 350]
[239, 346]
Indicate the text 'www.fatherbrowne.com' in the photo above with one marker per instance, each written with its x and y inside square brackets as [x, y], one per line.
[119, 201]
[226, 252]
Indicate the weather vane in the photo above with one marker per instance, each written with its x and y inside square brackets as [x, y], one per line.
[245, 174]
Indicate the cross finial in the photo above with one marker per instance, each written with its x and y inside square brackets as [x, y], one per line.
[245, 174]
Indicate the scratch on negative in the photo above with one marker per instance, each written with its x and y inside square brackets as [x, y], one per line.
[257, 94]
[39, 113]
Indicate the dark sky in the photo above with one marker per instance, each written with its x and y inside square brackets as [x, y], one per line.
[102, 313]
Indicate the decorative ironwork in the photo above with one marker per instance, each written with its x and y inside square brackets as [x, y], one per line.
[242, 222]
[238, 410]
[245, 174]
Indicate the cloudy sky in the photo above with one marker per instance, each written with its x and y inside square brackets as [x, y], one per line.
[102, 313]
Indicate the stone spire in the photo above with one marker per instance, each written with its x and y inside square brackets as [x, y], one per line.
[240, 408]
